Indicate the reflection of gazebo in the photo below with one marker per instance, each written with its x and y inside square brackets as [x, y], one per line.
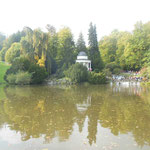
[83, 59]
[82, 107]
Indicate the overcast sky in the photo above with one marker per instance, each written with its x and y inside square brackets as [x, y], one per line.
[76, 14]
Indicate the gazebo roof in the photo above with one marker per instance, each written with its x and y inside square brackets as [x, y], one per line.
[82, 54]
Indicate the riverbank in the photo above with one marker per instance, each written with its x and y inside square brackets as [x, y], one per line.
[128, 77]
[3, 68]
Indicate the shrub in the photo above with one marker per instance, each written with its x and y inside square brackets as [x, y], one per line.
[117, 71]
[111, 66]
[145, 72]
[24, 65]
[96, 70]
[77, 73]
[60, 73]
[20, 78]
[97, 78]
[11, 78]
[23, 78]
[107, 72]
[38, 73]
[19, 64]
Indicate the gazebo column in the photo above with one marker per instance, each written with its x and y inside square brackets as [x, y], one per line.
[90, 65]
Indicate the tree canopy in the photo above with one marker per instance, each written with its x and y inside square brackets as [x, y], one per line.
[129, 50]
[56, 50]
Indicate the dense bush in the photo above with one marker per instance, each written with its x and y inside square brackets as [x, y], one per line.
[77, 73]
[107, 72]
[20, 63]
[11, 78]
[60, 73]
[145, 72]
[23, 64]
[20, 78]
[23, 78]
[97, 78]
[117, 71]
[38, 73]
[113, 67]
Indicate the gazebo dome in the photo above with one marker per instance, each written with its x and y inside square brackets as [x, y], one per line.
[82, 54]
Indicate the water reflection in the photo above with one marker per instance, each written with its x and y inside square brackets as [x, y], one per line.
[48, 112]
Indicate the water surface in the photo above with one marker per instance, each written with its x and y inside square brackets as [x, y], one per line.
[84, 117]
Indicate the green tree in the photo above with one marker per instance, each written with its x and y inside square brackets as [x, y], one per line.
[27, 49]
[51, 29]
[94, 53]
[16, 37]
[13, 52]
[81, 44]
[136, 48]
[52, 50]
[37, 38]
[66, 49]
[108, 47]
[122, 42]
[146, 58]
[77, 73]
[6, 44]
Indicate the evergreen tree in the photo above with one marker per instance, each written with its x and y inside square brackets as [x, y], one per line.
[94, 53]
[81, 44]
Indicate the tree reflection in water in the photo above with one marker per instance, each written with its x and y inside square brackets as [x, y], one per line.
[53, 111]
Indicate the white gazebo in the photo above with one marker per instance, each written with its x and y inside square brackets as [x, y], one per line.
[83, 59]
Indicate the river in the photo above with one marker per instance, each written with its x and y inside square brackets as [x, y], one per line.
[83, 117]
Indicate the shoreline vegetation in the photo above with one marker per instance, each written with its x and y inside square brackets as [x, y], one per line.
[38, 57]
[130, 77]
[3, 68]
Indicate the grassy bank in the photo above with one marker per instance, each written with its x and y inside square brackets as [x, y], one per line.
[3, 68]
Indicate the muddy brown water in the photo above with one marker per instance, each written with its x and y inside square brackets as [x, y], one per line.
[83, 117]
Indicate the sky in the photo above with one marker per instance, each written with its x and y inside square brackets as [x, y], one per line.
[76, 14]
